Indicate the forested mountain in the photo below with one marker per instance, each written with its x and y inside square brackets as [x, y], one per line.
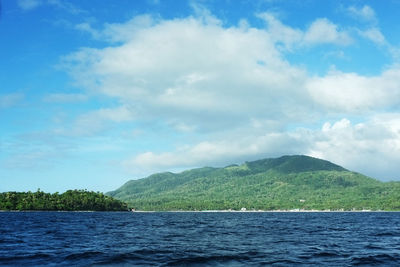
[288, 182]
[71, 200]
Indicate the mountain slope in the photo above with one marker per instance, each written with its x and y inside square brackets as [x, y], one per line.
[288, 182]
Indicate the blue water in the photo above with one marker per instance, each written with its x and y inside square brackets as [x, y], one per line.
[199, 239]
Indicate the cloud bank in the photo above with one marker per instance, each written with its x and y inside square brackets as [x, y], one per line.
[236, 92]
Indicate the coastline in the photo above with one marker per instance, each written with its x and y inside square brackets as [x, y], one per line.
[213, 211]
[261, 211]
[76, 211]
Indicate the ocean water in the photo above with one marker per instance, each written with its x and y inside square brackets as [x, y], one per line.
[199, 239]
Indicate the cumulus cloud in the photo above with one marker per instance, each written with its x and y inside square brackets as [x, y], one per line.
[351, 92]
[374, 35]
[365, 13]
[220, 152]
[370, 146]
[280, 32]
[192, 71]
[234, 88]
[321, 31]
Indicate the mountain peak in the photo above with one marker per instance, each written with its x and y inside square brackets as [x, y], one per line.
[294, 163]
[288, 182]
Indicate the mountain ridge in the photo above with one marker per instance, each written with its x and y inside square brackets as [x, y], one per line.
[267, 184]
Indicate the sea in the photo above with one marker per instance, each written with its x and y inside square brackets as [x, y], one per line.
[199, 239]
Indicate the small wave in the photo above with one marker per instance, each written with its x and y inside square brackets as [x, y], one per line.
[151, 252]
[139, 257]
[338, 229]
[326, 254]
[118, 259]
[305, 256]
[284, 262]
[230, 241]
[29, 258]
[210, 260]
[374, 247]
[375, 259]
[385, 234]
[83, 255]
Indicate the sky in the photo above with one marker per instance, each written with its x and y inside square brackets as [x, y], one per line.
[95, 93]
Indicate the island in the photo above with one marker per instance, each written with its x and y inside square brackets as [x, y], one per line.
[71, 200]
[287, 183]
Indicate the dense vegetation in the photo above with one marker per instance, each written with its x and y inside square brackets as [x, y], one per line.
[71, 200]
[289, 182]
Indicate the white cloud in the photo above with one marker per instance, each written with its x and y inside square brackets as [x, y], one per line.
[219, 152]
[280, 32]
[29, 4]
[65, 98]
[374, 35]
[66, 5]
[203, 14]
[86, 27]
[351, 92]
[338, 54]
[119, 114]
[9, 100]
[193, 72]
[365, 13]
[123, 32]
[96, 121]
[233, 89]
[371, 147]
[323, 31]
[395, 52]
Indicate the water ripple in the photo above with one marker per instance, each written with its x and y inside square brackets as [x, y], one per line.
[199, 239]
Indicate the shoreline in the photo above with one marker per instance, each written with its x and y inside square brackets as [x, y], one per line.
[262, 211]
[77, 211]
[212, 211]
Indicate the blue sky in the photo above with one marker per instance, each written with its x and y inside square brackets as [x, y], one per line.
[94, 93]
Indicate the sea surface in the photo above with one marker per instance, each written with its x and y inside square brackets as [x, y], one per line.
[199, 239]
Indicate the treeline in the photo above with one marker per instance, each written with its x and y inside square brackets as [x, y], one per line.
[71, 200]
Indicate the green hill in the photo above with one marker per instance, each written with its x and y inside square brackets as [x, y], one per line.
[288, 182]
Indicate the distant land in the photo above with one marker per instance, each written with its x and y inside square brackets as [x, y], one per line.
[285, 183]
[71, 200]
